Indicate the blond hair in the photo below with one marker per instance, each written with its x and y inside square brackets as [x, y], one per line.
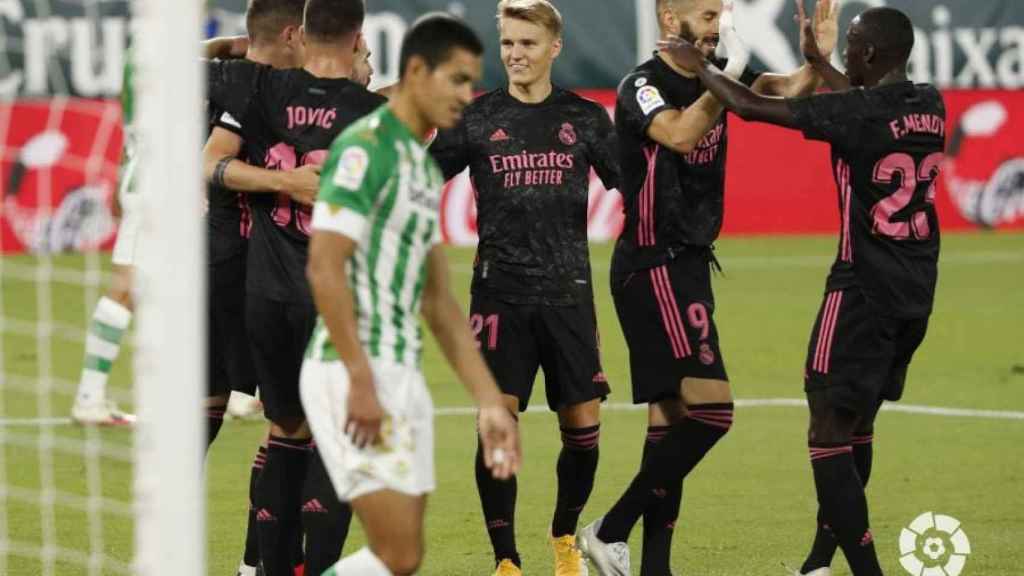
[540, 12]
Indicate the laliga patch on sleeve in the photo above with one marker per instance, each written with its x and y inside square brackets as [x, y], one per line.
[229, 120]
[352, 167]
[649, 98]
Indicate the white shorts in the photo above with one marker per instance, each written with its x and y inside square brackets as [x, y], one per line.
[128, 231]
[403, 461]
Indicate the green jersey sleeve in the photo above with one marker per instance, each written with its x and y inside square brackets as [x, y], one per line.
[356, 172]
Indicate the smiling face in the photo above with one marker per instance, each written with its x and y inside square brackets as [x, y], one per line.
[528, 51]
[695, 21]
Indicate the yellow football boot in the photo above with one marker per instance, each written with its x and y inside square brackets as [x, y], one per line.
[568, 559]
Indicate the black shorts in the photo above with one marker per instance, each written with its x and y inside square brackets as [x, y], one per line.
[517, 339]
[858, 357]
[229, 361]
[667, 318]
[278, 334]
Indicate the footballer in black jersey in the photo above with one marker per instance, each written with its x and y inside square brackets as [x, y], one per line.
[287, 120]
[673, 137]
[887, 136]
[530, 148]
[530, 166]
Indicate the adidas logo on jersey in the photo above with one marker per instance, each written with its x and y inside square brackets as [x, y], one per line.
[499, 135]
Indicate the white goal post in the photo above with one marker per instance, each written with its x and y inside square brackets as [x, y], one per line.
[170, 377]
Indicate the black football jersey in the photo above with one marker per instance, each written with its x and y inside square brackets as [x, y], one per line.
[530, 166]
[887, 148]
[288, 118]
[671, 200]
[228, 219]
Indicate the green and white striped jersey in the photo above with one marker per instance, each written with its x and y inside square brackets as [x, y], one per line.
[382, 189]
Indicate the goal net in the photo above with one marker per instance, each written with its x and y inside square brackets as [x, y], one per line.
[116, 499]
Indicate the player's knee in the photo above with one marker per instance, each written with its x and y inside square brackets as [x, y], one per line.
[581, 439]
[290, 427]
[401, 560]
[831, 427]
[120, 291]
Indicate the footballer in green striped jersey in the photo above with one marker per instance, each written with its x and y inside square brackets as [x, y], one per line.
[382, 188]
[376, 263]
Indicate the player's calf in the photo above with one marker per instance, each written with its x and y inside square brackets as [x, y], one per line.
[682, 448]
[577, 464]
[398, 545]
[279, 500]
[840, 490]
[659, 520]
[325, 519]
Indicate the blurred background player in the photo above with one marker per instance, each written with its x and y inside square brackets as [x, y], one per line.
[375, 256]
[288, 119]
[673, 139]
[887, 136]
[113, 312]
[530, 147]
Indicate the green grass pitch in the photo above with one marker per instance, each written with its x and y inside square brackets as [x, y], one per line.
[747, 508]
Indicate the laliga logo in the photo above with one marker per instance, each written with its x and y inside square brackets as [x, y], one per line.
[984, 171]
[934, 545]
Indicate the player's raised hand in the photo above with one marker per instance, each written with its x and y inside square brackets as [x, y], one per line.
[808, 42]
[682, 52]
[364, 411]
[735, 49]
[499, 439]
[826, 26]
[304, 183]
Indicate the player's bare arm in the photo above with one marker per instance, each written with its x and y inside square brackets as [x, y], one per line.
[222, 167]
[448, 324]
[681, 130]
[806, 79]
[225, 47]
[745, 102]
[329, 253]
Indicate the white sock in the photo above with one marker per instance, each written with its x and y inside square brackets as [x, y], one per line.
[109, 322]
[362, 563]
[246, 570]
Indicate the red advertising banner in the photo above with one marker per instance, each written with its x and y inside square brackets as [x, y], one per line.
[58, 174]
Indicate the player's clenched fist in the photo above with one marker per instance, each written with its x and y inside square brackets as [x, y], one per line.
[303, 184]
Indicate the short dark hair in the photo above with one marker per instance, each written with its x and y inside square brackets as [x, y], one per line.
[433, 37]
[330, 20]
[890, 30]
[265, 19]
